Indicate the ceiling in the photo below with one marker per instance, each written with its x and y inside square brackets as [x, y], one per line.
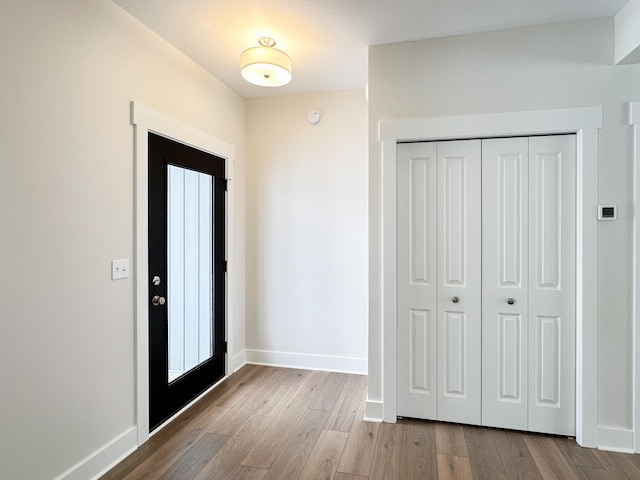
[327, 40]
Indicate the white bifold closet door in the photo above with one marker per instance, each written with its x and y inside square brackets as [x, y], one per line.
[486, 262]
[528, 283]
[439, 294]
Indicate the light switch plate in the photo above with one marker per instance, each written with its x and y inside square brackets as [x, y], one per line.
[119, 269]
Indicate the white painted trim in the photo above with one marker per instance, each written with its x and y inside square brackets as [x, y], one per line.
[615, 439]
[634, 121]
[103, 459]
[146, 120]
[307, 361]
[373, 410]
[584, 122]
[237, 361]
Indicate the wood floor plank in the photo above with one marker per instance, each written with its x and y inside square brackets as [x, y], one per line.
[548, 458]
[620, 465]
[348, 476]
[576, 455]
[172, 443]
[387, 457]
[485, 457]
[344, 412]
[240, 443]
[246, 473]
[194, 459]
[295, 377]
[227, 395]
[324, 458]
[586, 473]
[357, 457]
[298, 446]
[276, 417]
[452, 467]
[450, 439]
[328, 394]
[269, 445]
[513, 451]
[258, 394]
[419, 457]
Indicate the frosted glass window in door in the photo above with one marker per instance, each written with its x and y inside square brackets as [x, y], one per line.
[190, 269]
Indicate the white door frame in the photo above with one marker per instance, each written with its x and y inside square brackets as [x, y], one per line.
[634, 121]
[584, 122]
[146, 120]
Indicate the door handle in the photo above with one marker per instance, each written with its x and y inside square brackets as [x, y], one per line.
[455, 299]
[158, 300]
[510, 301]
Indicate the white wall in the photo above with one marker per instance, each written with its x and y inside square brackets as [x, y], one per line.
[627, 33]
[537, 68]
[307, 231]
[70, 69]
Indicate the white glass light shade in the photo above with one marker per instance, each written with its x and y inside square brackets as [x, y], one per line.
[265, 66]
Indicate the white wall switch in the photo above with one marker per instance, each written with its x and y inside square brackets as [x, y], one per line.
[119, 269]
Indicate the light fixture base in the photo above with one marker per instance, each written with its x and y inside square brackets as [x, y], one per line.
[267, 42]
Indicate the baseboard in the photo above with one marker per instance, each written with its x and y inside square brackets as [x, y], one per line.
[373, 411]
[102, 460]
[237, 362]
[306, 361]
[615, 439]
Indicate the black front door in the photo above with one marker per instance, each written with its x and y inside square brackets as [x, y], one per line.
[186, 275]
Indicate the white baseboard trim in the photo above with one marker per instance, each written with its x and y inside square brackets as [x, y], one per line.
[307, 361]
[237, 362]
[615, 439]
[104, 459]
[373, 411]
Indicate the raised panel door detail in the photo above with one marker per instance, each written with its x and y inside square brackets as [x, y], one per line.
[454, 221]
[420, 354]
[547, 220]
[547, 361]
[454, 354]
[510, 358]
[510, 219]
[420, 244]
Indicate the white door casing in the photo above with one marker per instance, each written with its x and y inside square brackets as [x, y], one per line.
[147, 120]
[381, 403]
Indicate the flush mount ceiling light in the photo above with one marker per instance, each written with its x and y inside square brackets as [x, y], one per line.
[265, 65]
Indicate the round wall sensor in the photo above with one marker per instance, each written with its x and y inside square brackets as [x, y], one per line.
[313, 116]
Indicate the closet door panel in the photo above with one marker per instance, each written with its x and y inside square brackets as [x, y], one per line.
[505, 282]
[417, 284]
[459, 281]
[552, 284]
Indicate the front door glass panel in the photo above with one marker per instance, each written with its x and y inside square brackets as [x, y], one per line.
[190, 269]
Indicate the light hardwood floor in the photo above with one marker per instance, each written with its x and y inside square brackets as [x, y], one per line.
[283, 424]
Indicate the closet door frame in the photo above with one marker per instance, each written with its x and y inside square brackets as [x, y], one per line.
[584, 122]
